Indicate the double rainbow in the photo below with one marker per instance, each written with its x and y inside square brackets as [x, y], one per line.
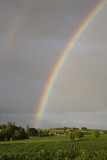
[63, 57]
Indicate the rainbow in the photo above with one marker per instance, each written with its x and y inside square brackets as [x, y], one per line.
[61, 60]
[13, 31]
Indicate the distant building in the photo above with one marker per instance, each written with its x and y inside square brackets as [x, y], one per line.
[83, 128]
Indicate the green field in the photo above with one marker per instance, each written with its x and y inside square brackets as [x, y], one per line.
[55, 147]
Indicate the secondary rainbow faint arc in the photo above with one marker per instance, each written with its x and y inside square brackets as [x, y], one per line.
[60, 62]
[12, 34]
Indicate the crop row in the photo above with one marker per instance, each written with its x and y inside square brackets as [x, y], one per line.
[53, 146]
[59, 154]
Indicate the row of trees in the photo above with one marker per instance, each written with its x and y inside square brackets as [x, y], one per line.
[10, 131]
[13, 132]
[37, 132]
[77, 134]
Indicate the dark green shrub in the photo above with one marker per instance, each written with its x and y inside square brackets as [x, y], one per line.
[75, 135]
[96, 133]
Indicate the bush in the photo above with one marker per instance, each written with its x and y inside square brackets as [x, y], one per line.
[96, 133]
[78, 134]
[105, 132]
[71, 136]
[86, 133]
[75, 135]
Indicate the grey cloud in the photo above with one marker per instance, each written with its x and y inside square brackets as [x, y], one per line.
[18, 93]
[20, 119]
[41, 36]
[75, 119]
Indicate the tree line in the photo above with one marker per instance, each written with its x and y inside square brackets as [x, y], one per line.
[77, 134]
[11, 131]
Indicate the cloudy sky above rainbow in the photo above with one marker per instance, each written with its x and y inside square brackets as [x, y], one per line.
[33, 35]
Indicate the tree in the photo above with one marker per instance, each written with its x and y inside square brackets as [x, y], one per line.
[33, 132]
[65, 128]
[105, 132]
[10, 128]
[23, 133]
[3, 126]
[71, 136]
[96, 134]
[12, 132]
[20, 134]
[2, 135]
[75, 135]
[16, 135]
[83, 128]
[9, 131]
[27, 129]
[78, 134]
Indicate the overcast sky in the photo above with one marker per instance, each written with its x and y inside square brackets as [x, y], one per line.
[33, 34]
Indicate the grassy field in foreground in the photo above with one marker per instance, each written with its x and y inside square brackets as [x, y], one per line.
[55, 144]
